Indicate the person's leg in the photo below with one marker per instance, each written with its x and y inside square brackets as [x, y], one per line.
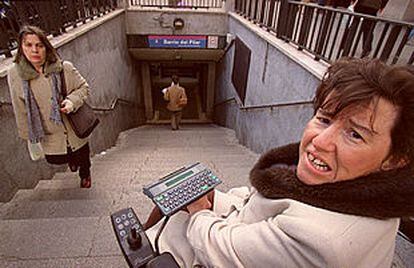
[179, 115]
[73, 166]
[367, 28]
[173, 120]
[81, 158]
[62, 159]
[57, 159]
[349, 36]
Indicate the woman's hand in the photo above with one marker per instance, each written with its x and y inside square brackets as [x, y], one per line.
[66, 106]
[205, 202]
[199, 204]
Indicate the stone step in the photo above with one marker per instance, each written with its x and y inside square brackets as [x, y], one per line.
[166, 164]
[100, 180]
[57, 184]
[182, 148]
[56, 209]
[171, 156]
[59, 239]
[64, 176]
[39, 194]
[56, 202]
[98, 261]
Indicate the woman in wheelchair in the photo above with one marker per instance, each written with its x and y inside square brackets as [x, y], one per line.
[333, 200]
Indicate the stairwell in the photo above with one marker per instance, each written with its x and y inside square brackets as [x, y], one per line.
[58, 224]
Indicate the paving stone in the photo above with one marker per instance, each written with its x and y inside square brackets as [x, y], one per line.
[65, 176]
[56, 209]
[84, 262]
[57, 184]
[24, 196]
[47, 238]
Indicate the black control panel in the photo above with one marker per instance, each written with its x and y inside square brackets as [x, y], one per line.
[131, 237]
[171, 193]
[181, 187]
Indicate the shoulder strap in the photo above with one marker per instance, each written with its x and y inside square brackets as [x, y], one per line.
[62, 80]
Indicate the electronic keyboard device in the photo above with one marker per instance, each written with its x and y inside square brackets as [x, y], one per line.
[181, 187]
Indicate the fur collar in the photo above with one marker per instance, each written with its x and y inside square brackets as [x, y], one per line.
[387, 194]
[27, 72]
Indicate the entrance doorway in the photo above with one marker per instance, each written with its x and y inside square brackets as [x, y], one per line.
[192, 77]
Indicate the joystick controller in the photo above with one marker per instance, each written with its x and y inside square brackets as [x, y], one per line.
[134, 239]
[131, 237]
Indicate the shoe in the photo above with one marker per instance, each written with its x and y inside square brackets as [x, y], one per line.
[73, 167]
[86, 182]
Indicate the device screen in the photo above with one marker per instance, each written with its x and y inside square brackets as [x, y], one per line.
[178, 178]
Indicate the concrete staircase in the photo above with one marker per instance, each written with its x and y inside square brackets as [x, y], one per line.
[58, 224]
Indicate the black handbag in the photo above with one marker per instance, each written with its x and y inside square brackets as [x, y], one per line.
[83, 120]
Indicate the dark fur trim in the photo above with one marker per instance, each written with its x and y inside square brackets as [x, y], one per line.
[27, 72]
[387, 194]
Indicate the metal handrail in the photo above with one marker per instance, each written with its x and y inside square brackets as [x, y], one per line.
[226, 101]
[54, 17]
[275, 105]
[330, 33]
[111, 107]
[263, 106]
[178, 3]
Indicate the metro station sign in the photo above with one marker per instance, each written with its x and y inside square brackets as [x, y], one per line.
[177, 41]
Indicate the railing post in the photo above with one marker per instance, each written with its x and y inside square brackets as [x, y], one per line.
[322, 36]
[282, 20]
[305, 27]
[348, 36]
[262, 12]
[391, 41]
[269, 22]
[254, 10]
[292, 13]
[124, 3]
[244, 8]
[230, 5]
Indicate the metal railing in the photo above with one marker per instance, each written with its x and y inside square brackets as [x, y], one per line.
[178, 3]
[330, 33]
[53, 16]
[115, 101]
[263, 106]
